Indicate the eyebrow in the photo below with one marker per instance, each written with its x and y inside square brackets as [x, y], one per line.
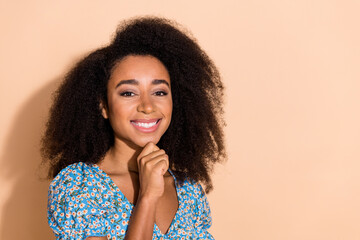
[136, 82]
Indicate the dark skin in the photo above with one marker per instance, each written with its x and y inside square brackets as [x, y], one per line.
[160, 212]
[128, 181]
[139, 109]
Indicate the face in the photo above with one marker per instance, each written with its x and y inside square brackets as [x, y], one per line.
[139, 100]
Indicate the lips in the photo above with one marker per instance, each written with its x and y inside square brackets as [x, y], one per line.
[146, 125]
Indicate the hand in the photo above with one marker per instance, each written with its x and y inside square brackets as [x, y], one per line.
[153, 163]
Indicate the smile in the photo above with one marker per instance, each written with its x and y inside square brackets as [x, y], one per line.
[145, 125]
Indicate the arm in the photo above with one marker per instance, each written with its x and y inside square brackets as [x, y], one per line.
[153, 164]
[142, 220]
[141, 223]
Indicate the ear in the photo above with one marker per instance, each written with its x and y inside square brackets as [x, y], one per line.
[104, 111]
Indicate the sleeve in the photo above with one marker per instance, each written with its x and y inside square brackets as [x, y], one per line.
[71, 214]
[203, 218]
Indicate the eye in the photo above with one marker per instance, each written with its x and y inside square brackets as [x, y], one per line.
[127, 94]
[161, 93]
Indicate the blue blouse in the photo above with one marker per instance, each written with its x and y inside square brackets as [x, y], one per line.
[84, 201]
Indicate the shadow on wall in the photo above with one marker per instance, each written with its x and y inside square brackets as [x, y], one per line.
[24, 213]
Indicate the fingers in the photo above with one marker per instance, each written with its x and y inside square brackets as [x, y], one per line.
[163, 165]
[149, 148]
[155, 161]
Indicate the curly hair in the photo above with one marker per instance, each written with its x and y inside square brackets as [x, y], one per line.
[194, 141]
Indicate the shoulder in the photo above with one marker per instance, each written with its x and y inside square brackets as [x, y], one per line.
[195, 203]
[187, 185]
[72, 175]
[193, 188]
[76, 202]
[74, 180]
[192, 193]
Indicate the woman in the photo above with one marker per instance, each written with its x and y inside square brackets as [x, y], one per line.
[134, 129]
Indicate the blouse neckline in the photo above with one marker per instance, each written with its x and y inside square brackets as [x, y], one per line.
[117, 190]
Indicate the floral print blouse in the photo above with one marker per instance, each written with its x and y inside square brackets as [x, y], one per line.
[84, 201]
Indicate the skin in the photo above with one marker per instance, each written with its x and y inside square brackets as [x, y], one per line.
[138, 90]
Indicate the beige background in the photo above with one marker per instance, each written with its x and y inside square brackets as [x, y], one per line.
[292, 74]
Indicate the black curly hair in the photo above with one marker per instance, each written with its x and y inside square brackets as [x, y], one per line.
[194, 141]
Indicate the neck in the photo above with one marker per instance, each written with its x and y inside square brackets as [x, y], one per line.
[120, 158]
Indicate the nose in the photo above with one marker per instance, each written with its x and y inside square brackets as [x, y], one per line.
[146, 105]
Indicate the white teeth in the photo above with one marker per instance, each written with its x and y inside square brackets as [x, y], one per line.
[145, 125]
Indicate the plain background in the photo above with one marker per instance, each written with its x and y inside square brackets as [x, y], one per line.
[292, 76]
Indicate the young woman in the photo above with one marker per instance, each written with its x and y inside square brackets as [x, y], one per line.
[134, 129]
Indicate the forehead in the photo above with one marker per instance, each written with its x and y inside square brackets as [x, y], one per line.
[139, 68]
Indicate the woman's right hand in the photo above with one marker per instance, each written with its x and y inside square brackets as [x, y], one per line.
[153, 163]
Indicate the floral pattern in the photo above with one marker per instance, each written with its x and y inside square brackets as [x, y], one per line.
[84, 201]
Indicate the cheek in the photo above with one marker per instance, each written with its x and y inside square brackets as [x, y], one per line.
[168, 107]
[169, 112]
[119, 112]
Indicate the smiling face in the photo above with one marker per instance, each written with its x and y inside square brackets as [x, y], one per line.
[139, 100]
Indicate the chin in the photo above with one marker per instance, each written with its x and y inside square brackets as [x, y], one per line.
[145, 141]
